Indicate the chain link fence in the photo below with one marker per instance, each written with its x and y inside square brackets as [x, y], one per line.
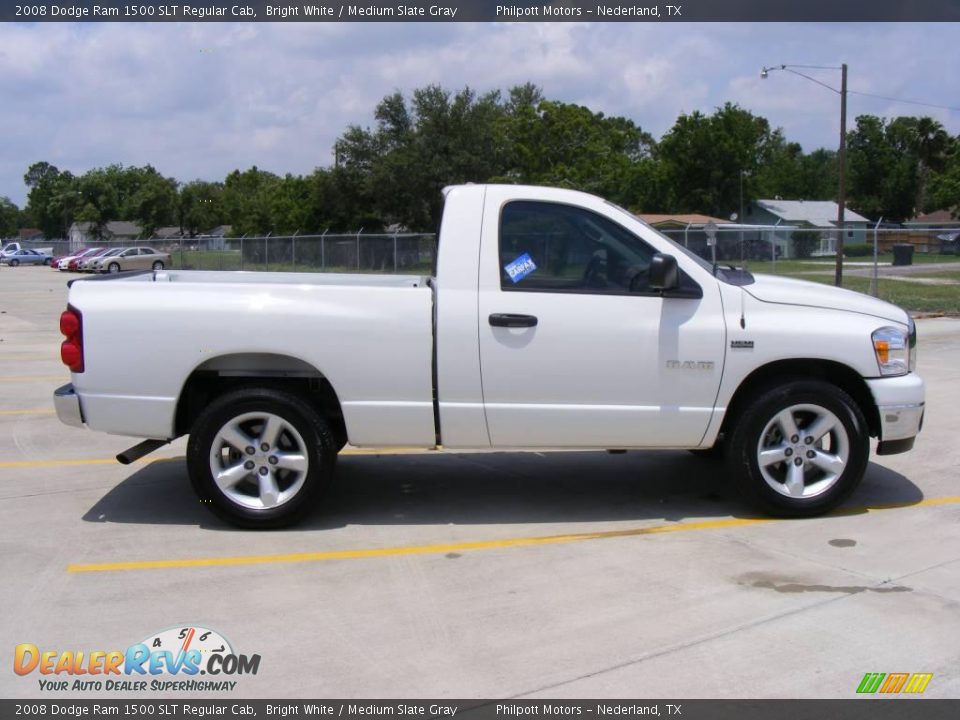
[408, 253]
[768, 245]
[871, 254]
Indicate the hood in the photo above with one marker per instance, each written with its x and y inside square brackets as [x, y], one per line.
[788, 291]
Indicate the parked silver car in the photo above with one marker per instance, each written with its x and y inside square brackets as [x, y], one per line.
[135, 258]
[91, 263]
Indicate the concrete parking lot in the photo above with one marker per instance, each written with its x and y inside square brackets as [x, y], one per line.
[469, 575]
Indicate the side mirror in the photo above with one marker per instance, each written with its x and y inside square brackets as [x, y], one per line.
[664, 274]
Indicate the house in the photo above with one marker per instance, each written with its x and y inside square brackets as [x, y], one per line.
[169, 232]
[116, 231]
[938, 219]
[734, 240]
[215, 238]
[811, 215]
[29, 234]
[937, 231]
[687, 229]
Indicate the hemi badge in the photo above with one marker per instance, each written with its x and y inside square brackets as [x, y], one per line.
[741, 344]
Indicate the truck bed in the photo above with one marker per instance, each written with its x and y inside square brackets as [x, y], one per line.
[371, 336]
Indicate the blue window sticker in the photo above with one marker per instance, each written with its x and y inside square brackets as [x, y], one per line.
[520, 268]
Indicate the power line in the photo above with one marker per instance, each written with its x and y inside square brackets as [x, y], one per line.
[906, 102]
[789, 68]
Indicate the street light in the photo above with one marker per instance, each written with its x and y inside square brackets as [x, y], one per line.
[842, 193]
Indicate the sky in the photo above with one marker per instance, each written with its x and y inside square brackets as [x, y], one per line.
[199, 100]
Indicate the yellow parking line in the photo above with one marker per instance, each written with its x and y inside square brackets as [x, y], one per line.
[390, 451]
[35, 411]
[9, 464]
[465, 546]
[35, 378]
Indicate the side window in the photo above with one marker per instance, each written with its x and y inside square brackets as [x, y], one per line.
[550, 247]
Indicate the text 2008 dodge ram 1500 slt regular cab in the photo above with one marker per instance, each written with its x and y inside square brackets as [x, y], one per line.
[555, 320]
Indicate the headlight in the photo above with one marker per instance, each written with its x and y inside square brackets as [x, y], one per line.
[912, 339]
[892, 347]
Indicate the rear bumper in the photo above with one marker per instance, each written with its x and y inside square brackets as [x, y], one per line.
[900, 407]
[67, 403]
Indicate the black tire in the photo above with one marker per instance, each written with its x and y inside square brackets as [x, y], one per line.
[158, 265]
[14, 263]
[319, 450]
[748, 431]
[114, 268]
[48, 262]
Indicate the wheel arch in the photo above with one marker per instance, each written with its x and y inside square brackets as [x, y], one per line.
[780, 371]
[223, 373]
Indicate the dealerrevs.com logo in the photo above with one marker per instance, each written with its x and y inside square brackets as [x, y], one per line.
[170, 660]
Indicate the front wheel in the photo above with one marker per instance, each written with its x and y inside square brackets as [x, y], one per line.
[14, 263]
[258, 457]
[800, 449]
[114, 268]
[158, 265]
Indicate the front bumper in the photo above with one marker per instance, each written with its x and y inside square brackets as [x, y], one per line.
[900, 407]
[67, 403]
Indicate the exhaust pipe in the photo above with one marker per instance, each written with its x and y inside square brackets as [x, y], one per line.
[139, 450]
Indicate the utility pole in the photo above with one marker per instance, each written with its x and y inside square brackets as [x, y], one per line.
[842, 155]
[842, 199]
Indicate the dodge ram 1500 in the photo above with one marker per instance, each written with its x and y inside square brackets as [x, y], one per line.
[555, 320]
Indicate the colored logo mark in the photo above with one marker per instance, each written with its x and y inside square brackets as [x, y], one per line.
[894, 683]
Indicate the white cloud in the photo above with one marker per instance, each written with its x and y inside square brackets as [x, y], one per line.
[198, 100]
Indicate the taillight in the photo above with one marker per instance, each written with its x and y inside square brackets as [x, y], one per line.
[71, 349]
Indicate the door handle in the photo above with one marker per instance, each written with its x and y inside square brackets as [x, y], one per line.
[510, 320]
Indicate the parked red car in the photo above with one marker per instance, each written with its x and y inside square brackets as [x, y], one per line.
[74, 264]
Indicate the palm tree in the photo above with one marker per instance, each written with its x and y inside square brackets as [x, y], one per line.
[932, 143]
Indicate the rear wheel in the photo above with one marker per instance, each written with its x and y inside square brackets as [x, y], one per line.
[258, 457]
[800, 449]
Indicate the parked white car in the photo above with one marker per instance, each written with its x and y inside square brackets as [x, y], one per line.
[556, 320]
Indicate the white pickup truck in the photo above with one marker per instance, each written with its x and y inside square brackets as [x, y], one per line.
[13, 247]
[556, 320]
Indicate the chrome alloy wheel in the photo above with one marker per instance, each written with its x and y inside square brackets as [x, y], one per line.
[258, 460]
[803, 451]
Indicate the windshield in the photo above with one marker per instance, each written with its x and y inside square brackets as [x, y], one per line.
[731, 275]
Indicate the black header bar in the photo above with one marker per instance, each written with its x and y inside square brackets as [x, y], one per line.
[482, 10]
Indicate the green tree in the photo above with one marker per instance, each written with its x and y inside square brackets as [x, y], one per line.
[945, 185]
[555, 143]
[247, 201]
[703, 156]
[928, 143]
[154, 200]
[9, 218]
[200, 207]
[419, 146]
[52, 198]
[883, 169]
